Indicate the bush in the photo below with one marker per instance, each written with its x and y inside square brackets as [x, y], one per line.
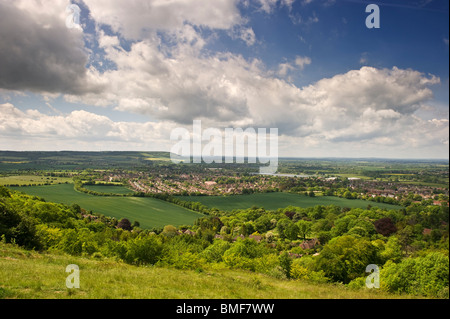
[188, 260]
[300, 271]
[427, 276]
[234, 260]
[18, 228]
[345, 258]
[214, 252]
[357, 283]
[69, 242]
[50, 237]
[143, 250]
[269, 265]
[285, 263]
[169, 231]
[125, 224]
[247, 248]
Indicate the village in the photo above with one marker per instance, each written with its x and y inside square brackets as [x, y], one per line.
[219, 182]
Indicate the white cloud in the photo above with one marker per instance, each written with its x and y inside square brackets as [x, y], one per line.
[302, 61]
[268, 6]
[172, 78]
[75, 129]
[248, 36]
[224, 89]
[135, 19]
[284, 68]
[297, 65]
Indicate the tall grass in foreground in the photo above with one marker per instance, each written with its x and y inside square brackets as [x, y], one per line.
[28, 275]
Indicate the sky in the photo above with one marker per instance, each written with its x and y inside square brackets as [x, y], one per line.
[128, 73]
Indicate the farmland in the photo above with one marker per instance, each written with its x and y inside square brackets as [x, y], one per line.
[152, 213]
[120, 190]
[148, 212]
[309, 231]
[273, 201]
[32, 180]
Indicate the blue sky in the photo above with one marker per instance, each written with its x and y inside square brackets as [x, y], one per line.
[135, 70]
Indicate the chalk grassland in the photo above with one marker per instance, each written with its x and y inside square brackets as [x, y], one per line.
[273, 201]
[149, 212]
[31, 275]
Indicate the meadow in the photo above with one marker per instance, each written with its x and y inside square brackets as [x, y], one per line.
[28, 274]
[149, 212]
[273, 201]
[107, 189]
[33, 180]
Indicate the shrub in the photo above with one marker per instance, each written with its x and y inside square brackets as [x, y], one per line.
[428, 275]
[18, 228]
[50, 236]
[143, 250]
[300, 271]
[169, 231]
[269, 265]
[189, 260]
[125, 224]
[69, 242]
[285, 263]
[214, 252]
[345, 258]
[233, 260]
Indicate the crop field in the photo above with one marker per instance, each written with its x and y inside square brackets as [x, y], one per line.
[149, 212]
[272, 201]
[108, 189]
[33, 179]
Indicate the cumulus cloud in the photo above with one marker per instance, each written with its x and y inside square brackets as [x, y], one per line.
[134, 19]
[77, 128]
[168, 75]
[38, 52]
[180, 83]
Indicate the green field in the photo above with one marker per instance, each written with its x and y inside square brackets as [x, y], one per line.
[149, 212]
[272, 201]
[108, 189]
[33, 179]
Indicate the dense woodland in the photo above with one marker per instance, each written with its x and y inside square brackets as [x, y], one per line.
[320, 244]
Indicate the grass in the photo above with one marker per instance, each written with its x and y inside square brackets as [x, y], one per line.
[149, 212]
[273, 201]
[33, 275]
[32, 179]
[109, 189]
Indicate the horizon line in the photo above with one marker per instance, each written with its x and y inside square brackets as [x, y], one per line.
[280, 157]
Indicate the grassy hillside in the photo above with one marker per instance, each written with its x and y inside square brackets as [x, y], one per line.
[149, 212]
[273, 201]
[119, 261]
[28, 274]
